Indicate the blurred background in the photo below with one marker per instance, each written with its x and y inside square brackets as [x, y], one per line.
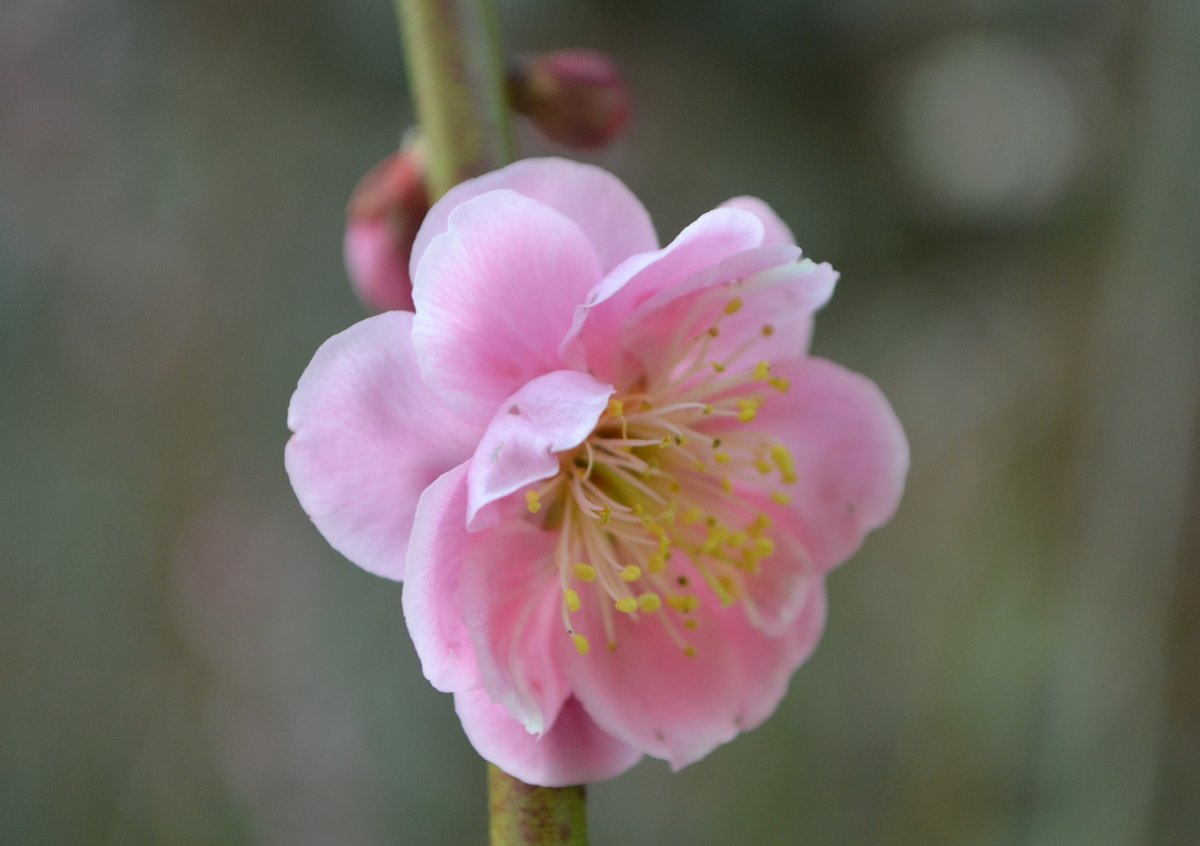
[1011, 189]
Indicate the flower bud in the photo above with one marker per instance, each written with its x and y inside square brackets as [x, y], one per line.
[574, 97]
[382, 220]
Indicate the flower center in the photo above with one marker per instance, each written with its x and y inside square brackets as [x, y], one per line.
[648, 506]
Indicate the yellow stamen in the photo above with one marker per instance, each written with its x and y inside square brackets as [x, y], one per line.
[733, 306]
[627, 605]
[722, 457]
[768, 330]
[762, 371]
[718, 366]
[764, 547]
[748, 409]
[532, 502]
[581, 644]
[780, 383]
[649, 602]
[572, 598]
[584, 572]
[780, 497]
[631, 573]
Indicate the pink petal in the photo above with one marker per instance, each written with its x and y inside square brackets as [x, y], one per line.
[432, 605]
[592, 342]
[368, 437]
[495, 294]
[772, 667]
[773, 289]
[511, 607]
[850, 453]
[649, 694]
[552, 413]
[775, 230]
[611, 217]
[574, 750]
[483, 608]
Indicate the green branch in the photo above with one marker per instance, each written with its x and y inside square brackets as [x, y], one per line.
[453, 56]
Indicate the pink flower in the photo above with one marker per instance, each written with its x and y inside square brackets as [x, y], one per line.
[382, 220]
[609, 473]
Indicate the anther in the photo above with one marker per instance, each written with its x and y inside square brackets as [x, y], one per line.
[584, 572]
[581, 644]
[532, 502]
[630, 574]
[572, 598]
[627, 605]
[733, 306]
[762, 371]
[718, 366]
[748, 409]
[649, 602]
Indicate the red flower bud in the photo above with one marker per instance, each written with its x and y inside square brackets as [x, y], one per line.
[382, 220]
[575, 97]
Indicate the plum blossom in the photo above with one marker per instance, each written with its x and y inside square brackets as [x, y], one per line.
[609, 473]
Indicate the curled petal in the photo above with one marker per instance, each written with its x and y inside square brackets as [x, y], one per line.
[775, 231]
[592, 342]
[368, 437]
[773, 290]
[552, 413]
[511, 609]
[573, 751]
[432, 600]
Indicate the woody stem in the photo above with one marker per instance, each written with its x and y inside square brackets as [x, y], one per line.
[523, 815]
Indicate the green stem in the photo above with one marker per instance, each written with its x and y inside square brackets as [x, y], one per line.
[453, 55]
[523, 815]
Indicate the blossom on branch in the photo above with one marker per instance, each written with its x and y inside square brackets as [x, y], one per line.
[609, 473]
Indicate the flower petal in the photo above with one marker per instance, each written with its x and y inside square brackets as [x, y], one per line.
[850, 455]
[574, 750]
[775, 230]
[768, 286]
[592, 342]
[495, 293]
[369, 436]
[611, 217]
[431, 599]
[552, 413]
[649, 693]
[773, 665]
[511, 608]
